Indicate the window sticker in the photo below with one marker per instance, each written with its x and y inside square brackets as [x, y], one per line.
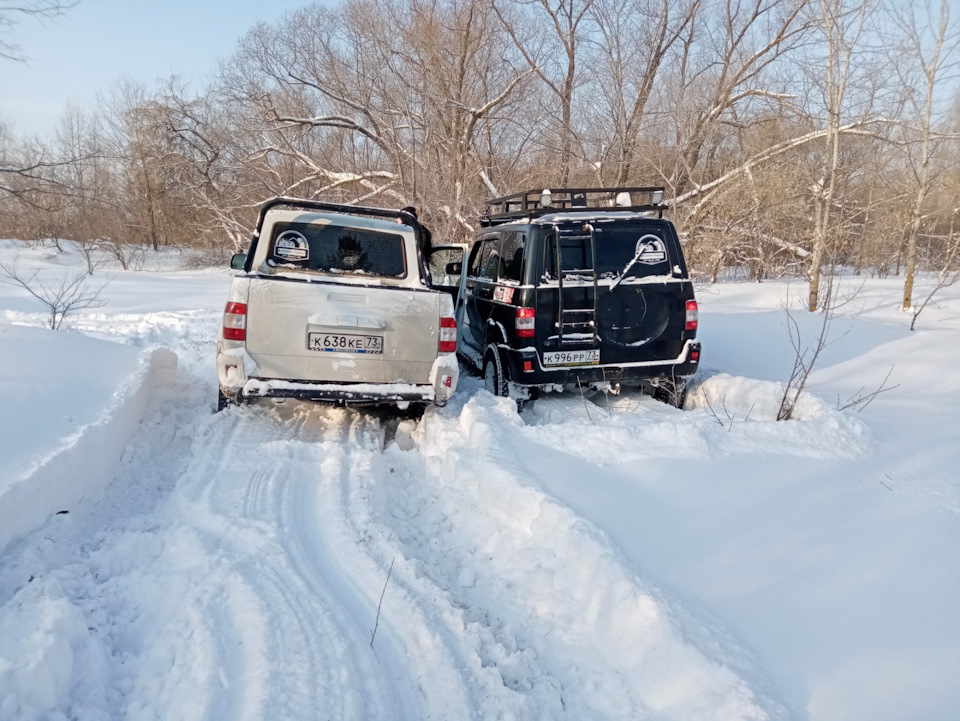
[651, 250]
[503, 293]
[291, 245]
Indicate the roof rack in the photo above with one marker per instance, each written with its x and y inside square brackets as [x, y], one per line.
[534, 203]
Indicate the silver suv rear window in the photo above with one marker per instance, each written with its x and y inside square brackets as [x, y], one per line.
[337, 249]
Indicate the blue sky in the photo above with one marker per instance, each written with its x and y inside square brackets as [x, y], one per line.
[100, 41]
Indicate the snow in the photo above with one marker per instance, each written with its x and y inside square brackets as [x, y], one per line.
[94, 410]
[590, 558]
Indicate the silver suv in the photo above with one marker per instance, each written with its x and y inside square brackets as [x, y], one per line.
[335, 303]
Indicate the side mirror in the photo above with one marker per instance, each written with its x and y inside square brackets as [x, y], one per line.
[237, 261]
[454, 268]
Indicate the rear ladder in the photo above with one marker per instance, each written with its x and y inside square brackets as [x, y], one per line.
[577, 321]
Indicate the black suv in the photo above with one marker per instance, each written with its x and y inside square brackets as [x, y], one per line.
[579, 288]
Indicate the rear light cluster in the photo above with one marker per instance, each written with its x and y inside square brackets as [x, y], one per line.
[448, 335]
[526, 322]
[235, 321]
[692, 315]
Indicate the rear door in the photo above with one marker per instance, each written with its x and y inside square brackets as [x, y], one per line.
[330, 304]
[641, 306]
[478, 292]
[447, 265]
[635, 285]
[326, 332]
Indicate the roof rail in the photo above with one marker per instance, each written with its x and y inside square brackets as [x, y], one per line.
[534, 203]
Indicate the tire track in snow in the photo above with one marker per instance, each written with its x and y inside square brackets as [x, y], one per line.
[300, 646]
[200, 605]
[433, 672]
[424, 633]
[276, 497]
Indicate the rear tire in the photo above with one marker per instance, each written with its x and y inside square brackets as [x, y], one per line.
[224, 401]
[413, 412]
[672, 391]
[494, 379]
[496, 376]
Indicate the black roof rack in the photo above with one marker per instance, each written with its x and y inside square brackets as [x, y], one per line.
[534, 203]
[323, 206]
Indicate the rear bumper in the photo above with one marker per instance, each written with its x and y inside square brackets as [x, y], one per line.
[238, 377]
[352, 394]
[682, 366]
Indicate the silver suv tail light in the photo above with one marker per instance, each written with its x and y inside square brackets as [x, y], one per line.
[235, 321]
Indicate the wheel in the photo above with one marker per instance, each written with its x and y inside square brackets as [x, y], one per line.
[672, 391]
[496, 376]
[413, 412]
[494, 379]
[225, 401]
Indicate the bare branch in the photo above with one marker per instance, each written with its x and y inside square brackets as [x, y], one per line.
[61, 297]
[9, 19]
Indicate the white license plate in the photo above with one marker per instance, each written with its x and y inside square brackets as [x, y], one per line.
[572, 357]
[342, 343]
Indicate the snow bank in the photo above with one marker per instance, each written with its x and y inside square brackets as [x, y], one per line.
[66, 437]
[724, 415]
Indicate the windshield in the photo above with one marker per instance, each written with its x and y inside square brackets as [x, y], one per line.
[336, 249]
[633, 250]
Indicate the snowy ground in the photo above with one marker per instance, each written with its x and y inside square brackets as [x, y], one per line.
[588, 559]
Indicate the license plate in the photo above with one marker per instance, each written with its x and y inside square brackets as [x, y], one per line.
[572, 357]
[341, 343]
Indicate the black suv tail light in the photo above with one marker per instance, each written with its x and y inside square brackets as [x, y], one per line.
[693, 315]
[526, 322]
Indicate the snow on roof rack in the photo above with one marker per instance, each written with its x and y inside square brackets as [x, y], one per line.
[534, 203]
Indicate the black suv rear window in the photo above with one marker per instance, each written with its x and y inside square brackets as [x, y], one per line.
[336, 249]
[628, 250]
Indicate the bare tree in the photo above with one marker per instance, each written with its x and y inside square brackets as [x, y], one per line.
[377, 101]
[842, 24]
[933, 48]
[807, 356]
[438, 103]
[557, 65]
[948, 273]
[726, 63]
[634, 38]
[23, 179]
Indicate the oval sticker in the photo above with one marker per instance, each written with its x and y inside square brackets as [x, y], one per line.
[291, 245]
[651, 250]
